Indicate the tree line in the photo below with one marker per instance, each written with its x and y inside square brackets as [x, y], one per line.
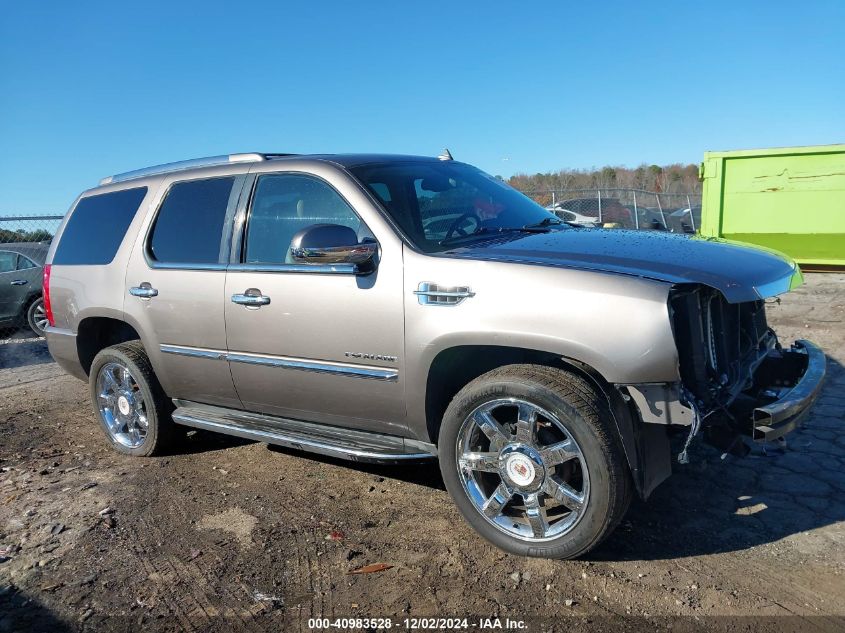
[38, 235]
[675, 178]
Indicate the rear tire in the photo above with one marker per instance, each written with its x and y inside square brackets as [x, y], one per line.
[131, 406]
[36, 316]
[532, 458]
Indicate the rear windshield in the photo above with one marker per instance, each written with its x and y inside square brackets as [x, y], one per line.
[97, 226]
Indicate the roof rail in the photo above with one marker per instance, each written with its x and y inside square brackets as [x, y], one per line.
[193, 163]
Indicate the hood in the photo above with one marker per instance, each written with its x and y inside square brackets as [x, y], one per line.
[741, 272]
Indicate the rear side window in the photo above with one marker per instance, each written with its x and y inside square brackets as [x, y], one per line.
[8, 261]
[25, 263]
[97, 226]
[189, 226]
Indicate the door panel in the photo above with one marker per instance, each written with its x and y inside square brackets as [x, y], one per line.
[175, 288]
[185, 331]
[289, 357]
[328, 346]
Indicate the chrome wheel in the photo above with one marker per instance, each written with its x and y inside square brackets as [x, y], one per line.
[36, 317]
[39, 316]
[121, 405]
[522, 469]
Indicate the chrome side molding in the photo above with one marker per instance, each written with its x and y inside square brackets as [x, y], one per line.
[303, 364]
[350, 370]
[314, 269]
[195, 352]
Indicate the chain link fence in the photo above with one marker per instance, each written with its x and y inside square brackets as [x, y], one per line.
[24, 241]
[628, 208]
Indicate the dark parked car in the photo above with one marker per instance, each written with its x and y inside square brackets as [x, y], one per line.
[685, 220]
[21, 302]
[650, 218]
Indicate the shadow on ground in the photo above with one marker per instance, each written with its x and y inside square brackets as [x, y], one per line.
[23, 351]
[198, 441]
[424, 473]
[21, 612]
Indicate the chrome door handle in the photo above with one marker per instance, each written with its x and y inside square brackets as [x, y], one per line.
[144, 291]
[19, 282]
[251, 298]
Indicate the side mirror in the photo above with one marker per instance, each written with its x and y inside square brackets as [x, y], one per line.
[333, 244]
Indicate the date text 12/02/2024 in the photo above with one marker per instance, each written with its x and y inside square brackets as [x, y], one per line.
[414, 624]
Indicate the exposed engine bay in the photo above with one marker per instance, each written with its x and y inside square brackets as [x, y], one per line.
[732, 365]
[719, 344]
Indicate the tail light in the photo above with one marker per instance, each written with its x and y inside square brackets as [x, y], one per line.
[45, 290]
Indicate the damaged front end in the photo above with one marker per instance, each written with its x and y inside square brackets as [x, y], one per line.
[735, 375]
[737, 382]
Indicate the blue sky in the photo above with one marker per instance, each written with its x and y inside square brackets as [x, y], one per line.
[93, 89]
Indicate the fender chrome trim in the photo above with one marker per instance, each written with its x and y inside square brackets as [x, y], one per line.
[433, 294]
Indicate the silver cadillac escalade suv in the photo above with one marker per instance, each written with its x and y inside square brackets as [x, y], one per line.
[400, 308]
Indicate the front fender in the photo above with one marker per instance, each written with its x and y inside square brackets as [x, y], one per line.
[616, 325]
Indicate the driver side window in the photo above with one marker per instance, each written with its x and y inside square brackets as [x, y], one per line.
[283, 205]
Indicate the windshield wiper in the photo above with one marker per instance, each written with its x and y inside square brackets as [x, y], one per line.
[543, 223]
[488, 231]
[458, 238]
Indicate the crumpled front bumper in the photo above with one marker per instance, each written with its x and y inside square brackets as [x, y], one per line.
[797, 374]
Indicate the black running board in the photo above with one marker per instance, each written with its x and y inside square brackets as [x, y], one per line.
[351, 444]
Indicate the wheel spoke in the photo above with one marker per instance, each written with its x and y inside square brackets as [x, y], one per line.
[485, 462]
[564, 493]
[116, 424]
[526, 423]
[494, 504]
[555, 454]
[536, 517]
[492, 429]
[110, 380]
[125, 379]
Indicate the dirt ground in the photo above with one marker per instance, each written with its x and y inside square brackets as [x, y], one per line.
[235, 536]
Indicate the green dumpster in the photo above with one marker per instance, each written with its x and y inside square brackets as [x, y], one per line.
[791, 199]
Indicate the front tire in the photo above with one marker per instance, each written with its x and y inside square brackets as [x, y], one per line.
[531, 456]
[130, 404]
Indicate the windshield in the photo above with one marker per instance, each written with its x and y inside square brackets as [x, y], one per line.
[439, 204]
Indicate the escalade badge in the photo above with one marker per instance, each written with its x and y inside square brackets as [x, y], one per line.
[365, 356]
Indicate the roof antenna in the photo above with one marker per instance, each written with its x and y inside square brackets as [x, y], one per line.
[445, 155]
